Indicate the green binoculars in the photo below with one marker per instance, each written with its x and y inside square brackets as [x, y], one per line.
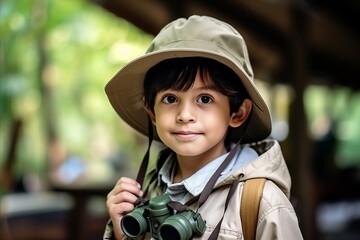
[159, 219]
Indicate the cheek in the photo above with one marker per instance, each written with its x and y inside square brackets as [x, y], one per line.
[162, 117]
[217, 120]
[222, 115]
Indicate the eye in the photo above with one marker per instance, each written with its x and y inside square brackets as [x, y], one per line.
[169, 99]
[205, 99]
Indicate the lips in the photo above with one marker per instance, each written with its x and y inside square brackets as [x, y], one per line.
[186, 135]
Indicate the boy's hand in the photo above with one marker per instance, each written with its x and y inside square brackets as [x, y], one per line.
[121, 200]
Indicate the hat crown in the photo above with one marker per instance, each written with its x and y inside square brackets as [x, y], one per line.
[203, 33]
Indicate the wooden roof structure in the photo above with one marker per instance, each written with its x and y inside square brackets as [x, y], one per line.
[325, 30]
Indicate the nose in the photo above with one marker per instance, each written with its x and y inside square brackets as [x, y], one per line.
[186, 113]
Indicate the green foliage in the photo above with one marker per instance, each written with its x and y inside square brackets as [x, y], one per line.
[64, 52]
[335, 111]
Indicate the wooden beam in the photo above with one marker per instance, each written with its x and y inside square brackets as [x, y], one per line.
[150, 15]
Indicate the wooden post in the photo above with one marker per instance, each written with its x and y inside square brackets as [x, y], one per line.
[300, 143]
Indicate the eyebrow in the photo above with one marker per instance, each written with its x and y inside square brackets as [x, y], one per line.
[207, 87]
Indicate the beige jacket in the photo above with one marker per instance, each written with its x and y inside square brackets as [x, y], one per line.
[277, 218]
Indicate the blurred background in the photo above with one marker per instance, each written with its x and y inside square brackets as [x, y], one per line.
[62, 146]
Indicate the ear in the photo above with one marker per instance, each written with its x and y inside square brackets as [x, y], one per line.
[239, 117]
[151, 115]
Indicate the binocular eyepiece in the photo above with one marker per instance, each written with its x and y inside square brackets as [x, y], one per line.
[159, 219]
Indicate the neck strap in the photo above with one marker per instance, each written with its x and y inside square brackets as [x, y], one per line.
[211, 183]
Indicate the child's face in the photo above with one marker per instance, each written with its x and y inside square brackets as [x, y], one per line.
[193, 122]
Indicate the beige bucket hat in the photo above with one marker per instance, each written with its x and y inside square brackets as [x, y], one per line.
[197, 36]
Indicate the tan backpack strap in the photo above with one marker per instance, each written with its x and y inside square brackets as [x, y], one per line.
[249, 208]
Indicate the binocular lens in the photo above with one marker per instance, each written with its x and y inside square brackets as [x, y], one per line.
[134, 226]
[169, 232]
[175, 228]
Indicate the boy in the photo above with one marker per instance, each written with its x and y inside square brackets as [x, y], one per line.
[193, 91]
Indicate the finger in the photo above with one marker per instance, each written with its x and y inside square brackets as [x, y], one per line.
[126, 186]
[122, 197]
[121, 209]
[128, 180]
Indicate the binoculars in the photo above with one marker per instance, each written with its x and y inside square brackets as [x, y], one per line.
[159, 219]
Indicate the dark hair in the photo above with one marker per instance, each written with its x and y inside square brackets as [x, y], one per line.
[179, 74]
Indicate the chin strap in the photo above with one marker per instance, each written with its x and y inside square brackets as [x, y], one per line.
[145, 162]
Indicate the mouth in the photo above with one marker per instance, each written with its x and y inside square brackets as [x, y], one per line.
[186, 135]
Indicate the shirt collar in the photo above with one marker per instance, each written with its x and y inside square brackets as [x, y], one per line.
[196, 183]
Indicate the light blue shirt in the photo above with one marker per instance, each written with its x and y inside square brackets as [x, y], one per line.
[195, 184]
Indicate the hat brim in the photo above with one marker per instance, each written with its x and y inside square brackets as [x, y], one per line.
[125, 92]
